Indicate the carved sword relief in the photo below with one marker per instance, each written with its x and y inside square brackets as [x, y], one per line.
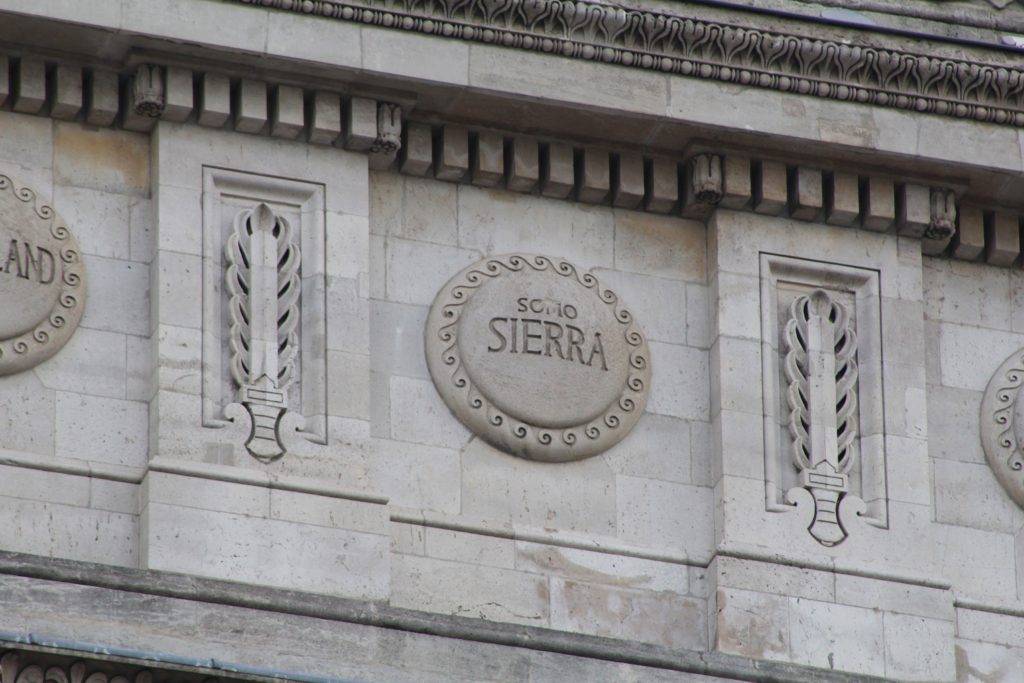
[263, 284]
[821, 368]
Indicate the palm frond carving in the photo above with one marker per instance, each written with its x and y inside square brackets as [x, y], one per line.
[821, 368]
[263, 286]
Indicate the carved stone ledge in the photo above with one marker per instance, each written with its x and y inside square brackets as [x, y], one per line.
[675, 44]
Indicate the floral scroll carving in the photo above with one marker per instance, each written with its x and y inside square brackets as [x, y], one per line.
[821, 368]
[263, 283]
[717, 51]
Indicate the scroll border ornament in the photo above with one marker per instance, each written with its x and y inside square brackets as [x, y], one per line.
[709, 50]
[504, 431]
[998, 435]
[34, 346]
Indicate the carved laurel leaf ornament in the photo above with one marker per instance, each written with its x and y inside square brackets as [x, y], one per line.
[537, 358]
[1000, 423]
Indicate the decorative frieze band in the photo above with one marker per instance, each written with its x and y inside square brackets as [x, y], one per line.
[710, 50]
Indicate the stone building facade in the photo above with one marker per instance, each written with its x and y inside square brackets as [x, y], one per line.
[511, 340]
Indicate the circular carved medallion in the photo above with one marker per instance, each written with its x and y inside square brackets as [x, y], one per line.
[537, 358]
[42, 281]
[1002, 425]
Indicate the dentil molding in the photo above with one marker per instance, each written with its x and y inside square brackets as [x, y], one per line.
[710, 50]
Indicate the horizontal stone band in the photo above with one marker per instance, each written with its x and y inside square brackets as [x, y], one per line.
[702, 49]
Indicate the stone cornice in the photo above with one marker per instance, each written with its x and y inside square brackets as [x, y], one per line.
[676, 44]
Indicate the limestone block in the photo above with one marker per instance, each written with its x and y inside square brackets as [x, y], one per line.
[179, 366]
[524, 164]
[836, 636]
[416, 476]
[895, 597]
[627, 180]
[953, 431]
[104, 160]
[396, 333]
[736, 178]
[877, 203]
[661, 185]
[805, 193]
[980, 563]
[93, 362]
[919, 649]
[287, 112]
[29, 86]
[118, 293]
[775, 579]
[661, 618]
[557, 174]
[987, 661]
[842, 198]
[969, 238]
[255, 549]
[348, 395]
[913, 209]
[597, 567]
[348, 245]
[505, 490]
[593, 175]
[477, 591]
[769, 187]
[908, 471]
[71, 532]
[329, 511]
[470, 548]
[739, 308]
[360, 123]
[416, 154]
[28, 410]
[102, 430]
[1002, 239]
[419, 415]
[698, 325]
[488, 158]
[67, 92]
[101, 99]
[179, 94]
[752, 624]
[581, 234]
[660, 246]
[214, 105]
[179, 289]
[968, 494]
[325, 118]
[658, 304]
[962, 366]
[990, 627]
[100, 220]
[408, 539]
[114, 496]
[680, 381]
[451, 153]
[417, 270]
[665, 515]
[250, 106]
